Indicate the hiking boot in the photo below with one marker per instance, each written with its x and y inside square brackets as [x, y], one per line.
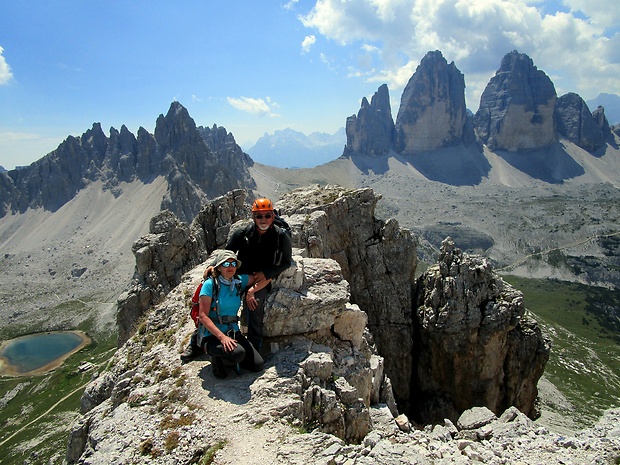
[191, 352]
[217, 365]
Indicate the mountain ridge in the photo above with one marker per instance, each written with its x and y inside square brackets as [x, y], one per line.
[200, 163]
[288, 148]
[197, 162]
[611, 103]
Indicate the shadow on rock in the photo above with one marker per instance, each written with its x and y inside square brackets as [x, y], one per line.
[457, 166]
[553, 164]
[235, 388]
[369, 164]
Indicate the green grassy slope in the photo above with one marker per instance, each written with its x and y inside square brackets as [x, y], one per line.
[583, 323]
[38, 411]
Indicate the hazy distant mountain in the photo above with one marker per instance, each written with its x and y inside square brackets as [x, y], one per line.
[2, 169]
[611, 103]
[293, 149]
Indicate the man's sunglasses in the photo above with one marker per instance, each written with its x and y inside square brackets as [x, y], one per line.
[227, 264]
[258, 216]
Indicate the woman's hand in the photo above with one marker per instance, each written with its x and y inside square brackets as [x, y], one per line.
[228, 343]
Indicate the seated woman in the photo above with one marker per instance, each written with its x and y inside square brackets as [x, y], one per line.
[220, 299]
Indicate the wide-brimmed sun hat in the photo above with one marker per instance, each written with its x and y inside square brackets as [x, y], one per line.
[222, 255]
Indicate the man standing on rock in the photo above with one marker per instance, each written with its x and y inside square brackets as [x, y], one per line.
[264, 250]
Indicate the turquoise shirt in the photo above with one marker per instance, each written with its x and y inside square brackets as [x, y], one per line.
[229, 302]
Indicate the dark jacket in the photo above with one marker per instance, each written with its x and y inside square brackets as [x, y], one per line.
[257, 252]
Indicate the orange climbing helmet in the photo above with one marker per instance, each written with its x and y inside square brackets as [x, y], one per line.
[262, 205]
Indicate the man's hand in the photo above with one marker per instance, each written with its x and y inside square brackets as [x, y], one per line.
[208, 272]
[251, 300]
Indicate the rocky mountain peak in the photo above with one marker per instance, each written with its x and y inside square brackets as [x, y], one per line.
[432, 114]
[371, 131]
[461, 294]
[176, 129]
[575, 122]
[177, 151]
[517, 107]
[601, 121]
[432, 111]
[517, 112]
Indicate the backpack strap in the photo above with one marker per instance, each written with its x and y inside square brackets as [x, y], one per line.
[247, 232]
[223, 320]
[215, 299]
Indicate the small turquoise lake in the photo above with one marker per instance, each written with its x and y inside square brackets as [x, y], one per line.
[38, 353]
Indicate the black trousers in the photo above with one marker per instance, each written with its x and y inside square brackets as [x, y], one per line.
[244, 354]
[255, 318]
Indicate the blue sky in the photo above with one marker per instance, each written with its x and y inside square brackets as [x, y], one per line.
[255, 67]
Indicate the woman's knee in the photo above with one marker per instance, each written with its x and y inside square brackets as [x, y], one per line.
[234, 356]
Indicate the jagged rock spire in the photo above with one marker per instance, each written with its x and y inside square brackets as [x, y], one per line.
[371, 132]
[516, 107]
[177, 151]
[432, 111]
[575, 122]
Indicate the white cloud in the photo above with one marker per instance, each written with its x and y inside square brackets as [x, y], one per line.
[307, 43]
[601, 12]
[327, 61]
[370, 48]
[579, 48]
[5, 70]
[290, 5]
[254, 105]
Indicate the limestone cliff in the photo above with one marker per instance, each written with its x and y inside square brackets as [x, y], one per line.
[575, 122]
[473, 341]
[171, 249]
[516, 108]
[432, 111]
[371, 131]
[601, 122]
[377, 259]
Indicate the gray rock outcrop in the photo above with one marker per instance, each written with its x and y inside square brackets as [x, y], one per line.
[323, 374]
[517, 107]
[432, 111]
[473, 341]
[378, 261]
[601, 121]
[324, 396]
[337, 223]
[171, 249]
[162, 257]
[575, 122]
[371, 131]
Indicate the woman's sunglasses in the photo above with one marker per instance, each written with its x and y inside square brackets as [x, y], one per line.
[260, 217]
[227, 264]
